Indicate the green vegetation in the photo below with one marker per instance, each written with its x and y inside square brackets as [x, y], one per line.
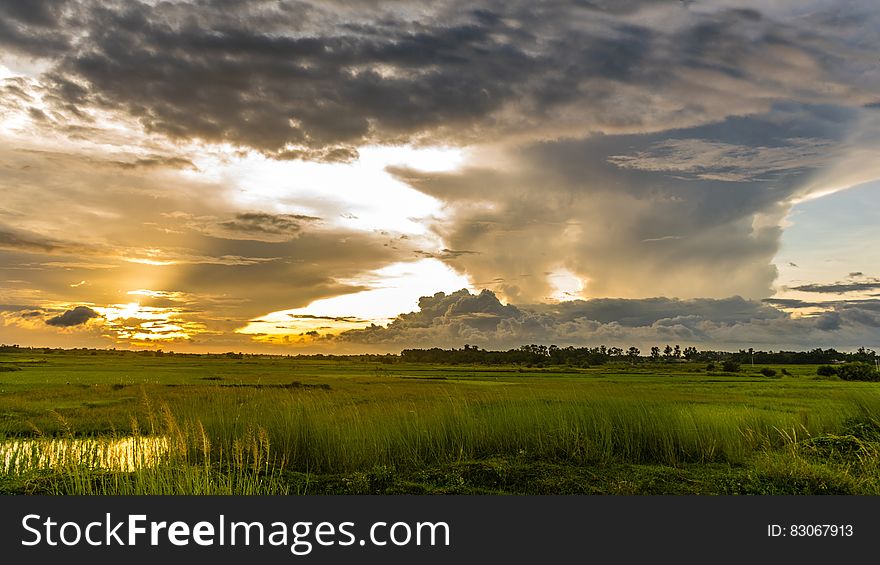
[857, 372]
[587, 356]
[284, 425]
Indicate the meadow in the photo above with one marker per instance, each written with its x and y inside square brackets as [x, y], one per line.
[126, 423]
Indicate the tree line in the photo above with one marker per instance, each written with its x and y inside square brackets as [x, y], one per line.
[534, 354]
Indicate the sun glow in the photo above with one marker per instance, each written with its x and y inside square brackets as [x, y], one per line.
[392, 290]
[566, 285]
[136, 323]
[155, 293]
[153, 262]
[360, 195]
[117, 311]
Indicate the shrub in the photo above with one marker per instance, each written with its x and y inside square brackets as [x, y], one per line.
[826, 371]
[730, 366]
[768, 372]
[710, 366]
[857, 372]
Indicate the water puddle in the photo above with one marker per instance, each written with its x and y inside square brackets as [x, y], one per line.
[114, 454]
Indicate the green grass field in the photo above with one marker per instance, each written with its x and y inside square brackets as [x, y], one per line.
[262, 425]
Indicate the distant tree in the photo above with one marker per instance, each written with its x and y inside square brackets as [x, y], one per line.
[690, 353]
[864, 355]
[667, 352]
[677, 351]
[826, 371]
[655, 353]
[730, 366]
[633, 354]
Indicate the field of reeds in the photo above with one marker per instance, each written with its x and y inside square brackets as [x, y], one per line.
[130, 424]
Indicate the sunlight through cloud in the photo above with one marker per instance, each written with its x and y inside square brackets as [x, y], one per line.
[360, 195]
[392, 290]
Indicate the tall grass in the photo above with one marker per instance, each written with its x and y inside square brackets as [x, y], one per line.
[246, 443]
[319, 433]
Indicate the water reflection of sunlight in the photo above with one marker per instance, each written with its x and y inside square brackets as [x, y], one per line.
[125, 454]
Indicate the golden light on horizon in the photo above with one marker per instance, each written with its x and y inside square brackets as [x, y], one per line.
[394, 289]
[134, 322]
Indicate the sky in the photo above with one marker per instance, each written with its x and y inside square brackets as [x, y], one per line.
[352, 177]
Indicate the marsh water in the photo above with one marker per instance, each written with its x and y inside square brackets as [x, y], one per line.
[115, 454]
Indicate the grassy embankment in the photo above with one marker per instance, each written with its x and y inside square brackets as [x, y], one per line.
[274, 426]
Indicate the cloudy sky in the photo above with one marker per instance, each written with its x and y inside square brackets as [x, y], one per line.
[335, 176]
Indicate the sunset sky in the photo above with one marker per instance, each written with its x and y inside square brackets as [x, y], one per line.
[344, 177]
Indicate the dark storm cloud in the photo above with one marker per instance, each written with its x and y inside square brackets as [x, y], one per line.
[712, 160]
[156, 161]
[34, 27]
[459, 313]
[315, 80]
[834, 313]
[451, 320]
[446, 254]
[829, 321]
[15, 308]
[76, 317]
[699, 218]
[621, 6]
[646, 311]
[123, 161]
[282, 91]
[259, 226]
[790, 303]
[27, 241]
[868, 316]
[354, 319]
[32, 314]
[840, 287]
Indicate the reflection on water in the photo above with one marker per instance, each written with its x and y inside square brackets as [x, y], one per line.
[115, 454]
